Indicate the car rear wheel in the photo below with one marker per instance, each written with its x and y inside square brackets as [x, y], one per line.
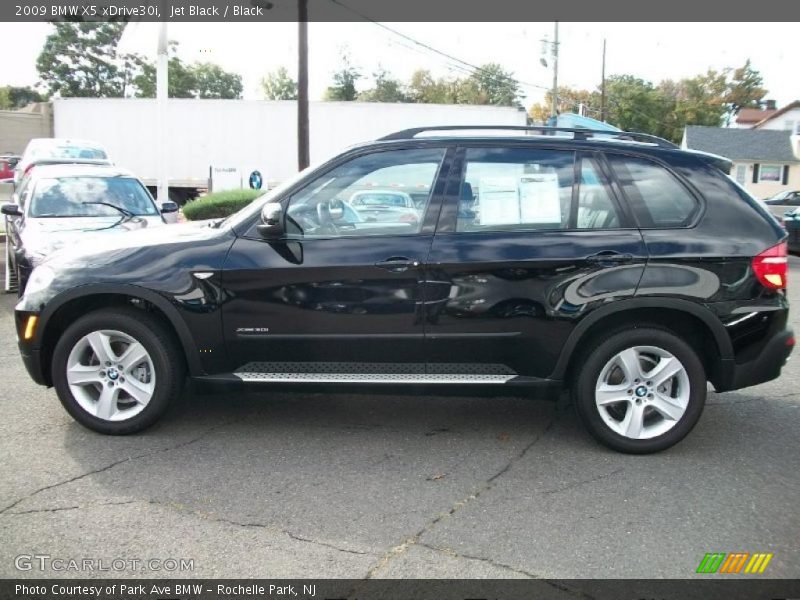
[116, 370]
[640, 390]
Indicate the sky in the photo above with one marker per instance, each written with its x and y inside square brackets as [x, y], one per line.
[652, 51]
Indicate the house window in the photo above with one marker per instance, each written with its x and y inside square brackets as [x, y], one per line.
[770, 174]
[741, 174]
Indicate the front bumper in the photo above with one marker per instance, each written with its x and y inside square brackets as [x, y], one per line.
[30, 349]
[765, 367]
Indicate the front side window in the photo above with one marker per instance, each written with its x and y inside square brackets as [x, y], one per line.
[656, 195]
[507, 189]
[384, 193]
[596, 209]
[79, 197]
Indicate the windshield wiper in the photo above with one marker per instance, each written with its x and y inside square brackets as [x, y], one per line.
[128, 214]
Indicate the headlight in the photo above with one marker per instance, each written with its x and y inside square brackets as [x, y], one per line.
[40, 279]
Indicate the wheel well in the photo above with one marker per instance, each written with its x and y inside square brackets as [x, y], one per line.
[685, 325]
[73, 309]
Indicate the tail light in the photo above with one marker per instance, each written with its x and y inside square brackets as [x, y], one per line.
[408, 218]
[28, 169]
[771, 266]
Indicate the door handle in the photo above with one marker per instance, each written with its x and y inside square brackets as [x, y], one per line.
[609, 257]
[397, 264]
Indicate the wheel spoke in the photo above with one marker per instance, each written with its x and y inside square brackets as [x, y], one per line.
[667, 407]
[141, 392]
[83, 375]
[665, 370]
[134, 355]
[629, 363]
[107, 403]
[101, 345]
[633, 423]
[611, 394]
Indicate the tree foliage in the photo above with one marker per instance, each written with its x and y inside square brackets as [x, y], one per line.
[344, 82]
[634, 104]
[278, 85]
[386, 89]
[82, 60]
[13, 97]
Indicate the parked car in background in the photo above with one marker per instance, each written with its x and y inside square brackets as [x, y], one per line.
[42, 151]
[384, 206]
[622, 268]
[782, 202]
[791, 222]
[7, 164]
[67, 205]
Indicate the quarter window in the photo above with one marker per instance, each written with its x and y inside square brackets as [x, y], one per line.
[384, 193]
[511, 189]
[596, 208]
[657, 197]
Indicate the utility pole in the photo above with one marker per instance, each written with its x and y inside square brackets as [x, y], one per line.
[603, 86]
[162, 95]
[302, 85]
[554, 110]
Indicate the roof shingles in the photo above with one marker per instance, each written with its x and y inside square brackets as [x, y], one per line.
[742, 144]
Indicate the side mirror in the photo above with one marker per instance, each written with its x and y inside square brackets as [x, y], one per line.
[11, 210]
[271, 226]
[168, 207]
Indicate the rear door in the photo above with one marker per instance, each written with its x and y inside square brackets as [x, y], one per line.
[530, 239]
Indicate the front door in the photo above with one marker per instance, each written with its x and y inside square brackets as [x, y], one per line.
[340, 297]
[530, 239]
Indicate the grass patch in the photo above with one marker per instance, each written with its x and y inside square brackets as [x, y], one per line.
[219, 204]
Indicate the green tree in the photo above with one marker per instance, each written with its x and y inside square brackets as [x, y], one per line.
[198, 80]
[426, 89]
[212, 81]
[344, 82]
[745, 89]
[12, 97]
[491, 84]
[387, 89]
[81, 60]
[278, 85]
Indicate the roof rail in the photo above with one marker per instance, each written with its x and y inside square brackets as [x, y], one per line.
[577, 133]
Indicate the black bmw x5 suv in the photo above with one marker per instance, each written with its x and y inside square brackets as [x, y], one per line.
[614, 265]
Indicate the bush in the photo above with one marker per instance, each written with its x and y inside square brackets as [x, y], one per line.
[219, 204]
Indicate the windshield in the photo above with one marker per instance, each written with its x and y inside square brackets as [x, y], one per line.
[68, 197]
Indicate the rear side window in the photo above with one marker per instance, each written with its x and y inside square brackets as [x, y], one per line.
[657, 197]
[507, 189]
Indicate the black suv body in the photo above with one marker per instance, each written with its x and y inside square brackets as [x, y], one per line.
[620, 267]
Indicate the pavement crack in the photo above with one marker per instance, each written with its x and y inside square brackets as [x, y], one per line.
[116, 463]
[581, 482]
[489, 561]
[209, 516]
[414, 539]
[34, 511]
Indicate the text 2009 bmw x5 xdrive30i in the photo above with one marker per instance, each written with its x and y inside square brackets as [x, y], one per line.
[618, 266]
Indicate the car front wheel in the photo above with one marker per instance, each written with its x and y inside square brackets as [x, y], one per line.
[640, 390]
[116, 370]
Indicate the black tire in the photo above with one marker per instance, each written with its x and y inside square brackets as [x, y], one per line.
[594, 360]
[167, 357]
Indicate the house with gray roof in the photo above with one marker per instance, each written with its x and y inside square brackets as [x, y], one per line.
[765, 161]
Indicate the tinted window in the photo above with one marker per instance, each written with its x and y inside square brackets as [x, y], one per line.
[76, 197]
[516, 189]
[596, 209]
[383, 193]
[657, 197]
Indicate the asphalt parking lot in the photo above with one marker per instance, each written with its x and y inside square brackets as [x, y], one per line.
[276, 486]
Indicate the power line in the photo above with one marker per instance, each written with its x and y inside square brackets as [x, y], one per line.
[475, 68]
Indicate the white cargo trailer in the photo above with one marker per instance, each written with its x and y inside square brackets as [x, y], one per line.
[247, 135]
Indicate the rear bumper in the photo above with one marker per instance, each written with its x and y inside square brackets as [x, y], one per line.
[766, 367]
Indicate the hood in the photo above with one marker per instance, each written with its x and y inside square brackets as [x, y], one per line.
[101, 248]
[43, 237]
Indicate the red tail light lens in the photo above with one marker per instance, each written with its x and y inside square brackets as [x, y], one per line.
[771, 267]
[28, 169]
